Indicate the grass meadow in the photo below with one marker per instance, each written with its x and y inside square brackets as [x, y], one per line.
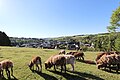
[22, 56]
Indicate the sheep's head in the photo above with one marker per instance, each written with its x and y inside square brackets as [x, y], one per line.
[30, 65]
[48, 65]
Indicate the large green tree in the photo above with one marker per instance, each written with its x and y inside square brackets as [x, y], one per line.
[114, 21]
[114, 25]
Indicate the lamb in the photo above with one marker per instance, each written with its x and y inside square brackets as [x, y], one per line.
[36, 61]
[56, 60]
[6, 64]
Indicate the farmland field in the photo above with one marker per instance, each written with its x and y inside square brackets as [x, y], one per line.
[83, 71]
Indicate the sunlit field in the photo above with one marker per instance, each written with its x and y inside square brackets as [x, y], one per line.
[22, 56]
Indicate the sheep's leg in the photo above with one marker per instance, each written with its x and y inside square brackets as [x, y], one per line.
[110, 67]
[1, 72]
[83, 58]
[61, 68]
[54, 68]
[37, 67]
[8, 72]
[11, 71]
[72, 67]
[65, 67]
[33, 67]
[118, 65]
[40, 68]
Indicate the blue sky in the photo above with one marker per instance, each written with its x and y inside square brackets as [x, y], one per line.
[55, 18]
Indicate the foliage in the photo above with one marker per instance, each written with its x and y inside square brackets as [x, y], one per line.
[115, 18]
[4, 39]
[117, 43]
[114, 21]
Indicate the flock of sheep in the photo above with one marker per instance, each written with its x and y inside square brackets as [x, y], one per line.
[108, 59]
[103, 60]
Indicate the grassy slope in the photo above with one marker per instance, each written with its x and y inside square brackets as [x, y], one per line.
[22, 56]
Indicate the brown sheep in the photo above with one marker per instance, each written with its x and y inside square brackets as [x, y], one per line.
[6, 64]
[107, 53]
[108, 60]
[36, 61]
[56, 60]
[101, 62]
[79, 55]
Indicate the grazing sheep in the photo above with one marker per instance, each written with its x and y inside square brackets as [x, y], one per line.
[36, 61]
[107, 53]
[48, 62]
[56, 60]
[108, 60]
[6, 64]
[102, 61]
[77, 55]
[62, 52]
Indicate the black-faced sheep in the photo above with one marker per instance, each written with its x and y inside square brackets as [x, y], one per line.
[36, 61]
[6, 64]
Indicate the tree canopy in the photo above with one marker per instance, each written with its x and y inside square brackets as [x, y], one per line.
[114, 21]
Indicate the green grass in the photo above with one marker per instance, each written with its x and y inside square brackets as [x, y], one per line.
[22, 56]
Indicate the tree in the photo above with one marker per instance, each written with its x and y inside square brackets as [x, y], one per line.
[114, 21]
[4, 39]
[115, 24]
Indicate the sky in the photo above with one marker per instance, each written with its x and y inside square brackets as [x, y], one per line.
[55, 18]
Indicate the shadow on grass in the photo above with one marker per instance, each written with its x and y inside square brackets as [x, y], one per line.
[113, 70]
[87, 62]
[13, 78]
[45, 76]
[77, 75]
